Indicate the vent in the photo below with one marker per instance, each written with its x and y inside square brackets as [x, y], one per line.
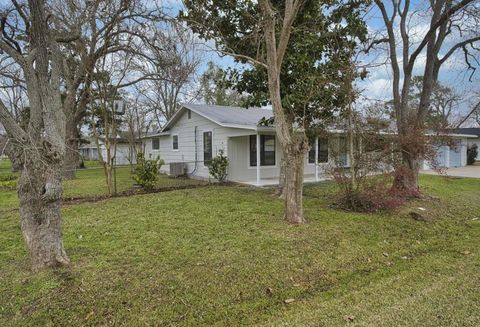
[178, 169]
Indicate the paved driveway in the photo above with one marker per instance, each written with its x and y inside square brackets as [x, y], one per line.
[467, 171]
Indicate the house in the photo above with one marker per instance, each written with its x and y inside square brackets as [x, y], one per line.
[474, 131]
[124, 154]
[195, 134]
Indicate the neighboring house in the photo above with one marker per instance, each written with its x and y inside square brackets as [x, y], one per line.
[475, 131]
[124, 154]
[195, 134]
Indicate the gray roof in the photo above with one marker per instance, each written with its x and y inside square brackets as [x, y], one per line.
[469, 131]
[235, 117]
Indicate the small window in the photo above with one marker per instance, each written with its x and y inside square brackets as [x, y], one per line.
[322, 151]
[175, 142]
[189, 114]
[267, 150]
[156, 143]
[207, 148]
[311, 153]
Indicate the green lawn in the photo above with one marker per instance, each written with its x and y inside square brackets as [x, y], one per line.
[222, 256]
[90, 182]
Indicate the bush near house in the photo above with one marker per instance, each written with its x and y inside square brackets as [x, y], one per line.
[218, 167]
[472, 153]
[146, 171]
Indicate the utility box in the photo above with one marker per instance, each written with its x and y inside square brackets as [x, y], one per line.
[178, 169]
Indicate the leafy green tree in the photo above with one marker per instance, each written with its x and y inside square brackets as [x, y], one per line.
[295, 48]
[215, 89]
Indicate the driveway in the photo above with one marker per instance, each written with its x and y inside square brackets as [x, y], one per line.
[467, 171]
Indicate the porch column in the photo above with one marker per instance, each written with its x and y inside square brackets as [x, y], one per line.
[258, 159]
[316, 158]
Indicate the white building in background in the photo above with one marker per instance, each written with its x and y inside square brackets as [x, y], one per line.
[123, 156]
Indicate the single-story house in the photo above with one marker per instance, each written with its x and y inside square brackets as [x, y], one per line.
[196, 133]
[474, 131]
[124, 154]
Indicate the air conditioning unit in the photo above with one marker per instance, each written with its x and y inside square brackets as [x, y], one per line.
[178, 169]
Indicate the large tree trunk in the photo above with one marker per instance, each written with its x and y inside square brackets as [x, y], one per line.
[40, 192]
[406, 176]
[282, 178]
[293, 189]
[72, 157]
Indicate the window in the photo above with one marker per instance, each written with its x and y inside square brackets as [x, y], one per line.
[189, 114]
[322, 151]
[311, 153]
[175, 142]
[207, 148]
[156, 143]
[267, 150]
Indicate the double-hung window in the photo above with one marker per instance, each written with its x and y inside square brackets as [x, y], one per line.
[207, 148]
[175, 142]
[322, 151]
[156, 143]
[267, 150]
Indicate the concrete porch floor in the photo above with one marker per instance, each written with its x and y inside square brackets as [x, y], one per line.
[264, 182]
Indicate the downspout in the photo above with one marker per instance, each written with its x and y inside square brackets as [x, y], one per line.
[196, 155]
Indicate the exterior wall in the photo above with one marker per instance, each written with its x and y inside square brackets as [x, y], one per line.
[234, 142]
[190, 143]
[450, 157]
[122, 155]
[239, 162]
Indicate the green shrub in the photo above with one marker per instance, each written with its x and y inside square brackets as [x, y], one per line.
[472, 153]
[146, 171]
[218, 167]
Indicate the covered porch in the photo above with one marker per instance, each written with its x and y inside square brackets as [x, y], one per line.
[260, 165]
[265, 182]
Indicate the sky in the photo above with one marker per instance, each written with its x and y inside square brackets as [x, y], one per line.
[378, 85]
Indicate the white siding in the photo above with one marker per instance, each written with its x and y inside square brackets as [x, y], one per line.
[187, 138]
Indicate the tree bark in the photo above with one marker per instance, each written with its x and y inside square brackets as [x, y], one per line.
[40, 193]
[72, 157]
[281, 179]
[293, 188]
[406, 176]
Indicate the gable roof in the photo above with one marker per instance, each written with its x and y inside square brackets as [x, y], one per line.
[469, 131]
[233, 117]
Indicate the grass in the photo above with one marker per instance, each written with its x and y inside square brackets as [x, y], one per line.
[90, 182]
[222, 256]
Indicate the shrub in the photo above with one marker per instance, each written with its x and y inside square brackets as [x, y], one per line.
[146, 171]
[472, 153]
[218, 167]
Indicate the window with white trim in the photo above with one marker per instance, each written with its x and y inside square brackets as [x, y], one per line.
[207, 148]
[175, 142]
[267, 150]
[156, 143]
[322, 151]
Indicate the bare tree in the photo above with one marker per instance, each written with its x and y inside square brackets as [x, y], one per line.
[138, 121]
[174, 57]
[452, 27]
[39, 147]
[112, 26]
